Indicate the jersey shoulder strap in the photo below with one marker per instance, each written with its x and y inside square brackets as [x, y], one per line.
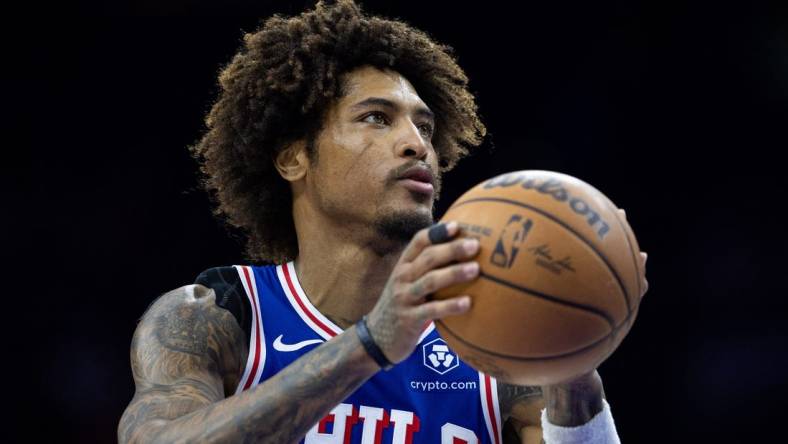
[230, 295]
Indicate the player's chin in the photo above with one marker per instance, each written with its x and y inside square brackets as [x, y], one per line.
[419, 211]
[401, 224]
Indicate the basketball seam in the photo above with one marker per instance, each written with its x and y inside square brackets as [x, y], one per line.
[535, 358]
[567, 227]
[547, 297]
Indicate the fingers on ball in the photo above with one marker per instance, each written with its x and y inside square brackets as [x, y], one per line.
[443, 308]
[439, 255]
[444, 277]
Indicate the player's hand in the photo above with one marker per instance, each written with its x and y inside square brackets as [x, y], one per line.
[426, 266]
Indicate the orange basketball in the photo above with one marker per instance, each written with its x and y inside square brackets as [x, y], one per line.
[559, 280]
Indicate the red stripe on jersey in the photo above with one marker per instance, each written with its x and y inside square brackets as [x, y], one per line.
[411, 429]
[380, 425]
[301, 304]
[350, 422]
[490, 407]
[321, 426]
[253, 372]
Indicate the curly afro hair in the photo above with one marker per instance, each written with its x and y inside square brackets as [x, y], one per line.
[275, 91]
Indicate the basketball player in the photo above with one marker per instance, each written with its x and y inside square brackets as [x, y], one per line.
[327, 146]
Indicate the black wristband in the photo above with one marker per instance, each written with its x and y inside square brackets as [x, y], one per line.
[370, 346]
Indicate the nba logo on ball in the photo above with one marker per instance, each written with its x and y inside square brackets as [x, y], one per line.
[512, 236]
[438, 357]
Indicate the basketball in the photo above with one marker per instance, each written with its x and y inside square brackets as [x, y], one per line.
[559, 280]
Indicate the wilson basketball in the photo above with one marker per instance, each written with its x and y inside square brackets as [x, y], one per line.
[559, 281]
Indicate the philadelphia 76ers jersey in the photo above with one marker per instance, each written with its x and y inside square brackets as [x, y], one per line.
[431, 397]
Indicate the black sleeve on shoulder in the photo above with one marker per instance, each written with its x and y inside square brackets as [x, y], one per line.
[230, 294]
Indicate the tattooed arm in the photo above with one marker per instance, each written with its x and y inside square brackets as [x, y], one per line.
[187, 356]
[575, 402]
[568, 404]
[522, 407]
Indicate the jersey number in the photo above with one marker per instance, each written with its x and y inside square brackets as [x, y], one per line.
[374, 419]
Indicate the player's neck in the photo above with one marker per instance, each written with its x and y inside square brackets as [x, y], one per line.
[340, 271]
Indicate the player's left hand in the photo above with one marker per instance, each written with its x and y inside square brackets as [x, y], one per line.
[574, 402]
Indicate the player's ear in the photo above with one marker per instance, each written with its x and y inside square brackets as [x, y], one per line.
[292, 161]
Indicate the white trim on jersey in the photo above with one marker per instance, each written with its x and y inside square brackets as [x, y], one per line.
[493, 417]
[496, 407]
[427, 331]
[302, 296]
[298, 300]
[255, 359]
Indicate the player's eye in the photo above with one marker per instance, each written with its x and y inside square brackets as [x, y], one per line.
[426, 130]
[376, 117]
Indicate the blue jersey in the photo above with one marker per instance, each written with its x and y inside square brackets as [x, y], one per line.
[431, 397]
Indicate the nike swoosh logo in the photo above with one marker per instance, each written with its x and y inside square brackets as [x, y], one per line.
[282, 347]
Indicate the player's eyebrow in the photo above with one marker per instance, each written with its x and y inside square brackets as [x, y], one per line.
[386, 103]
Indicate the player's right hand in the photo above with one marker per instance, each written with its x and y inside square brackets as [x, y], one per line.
[402, 312]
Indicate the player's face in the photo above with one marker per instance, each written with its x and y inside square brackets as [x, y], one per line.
[376, 164]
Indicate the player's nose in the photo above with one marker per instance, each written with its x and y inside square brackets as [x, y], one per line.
[412, 144]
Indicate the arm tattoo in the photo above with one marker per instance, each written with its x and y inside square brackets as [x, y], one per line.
[575, 403]
[509, 395]
[183, 329]
[188, 355]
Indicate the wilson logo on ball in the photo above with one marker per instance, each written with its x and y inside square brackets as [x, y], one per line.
[438, 357]
[512, 236]
[556, 189]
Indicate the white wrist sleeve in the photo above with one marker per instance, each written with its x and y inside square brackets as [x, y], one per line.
[601, 429]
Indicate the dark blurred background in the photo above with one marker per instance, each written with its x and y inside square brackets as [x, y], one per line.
[677, 111]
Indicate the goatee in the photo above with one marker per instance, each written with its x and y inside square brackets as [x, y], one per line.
[399, 228]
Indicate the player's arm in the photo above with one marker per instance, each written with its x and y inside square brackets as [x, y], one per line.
[568, 404]
[521, 406]
[575, 402]
[187, 355]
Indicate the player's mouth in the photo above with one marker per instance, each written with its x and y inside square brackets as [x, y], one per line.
[419, 180]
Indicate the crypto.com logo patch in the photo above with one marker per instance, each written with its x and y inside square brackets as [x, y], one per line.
[438, 357]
